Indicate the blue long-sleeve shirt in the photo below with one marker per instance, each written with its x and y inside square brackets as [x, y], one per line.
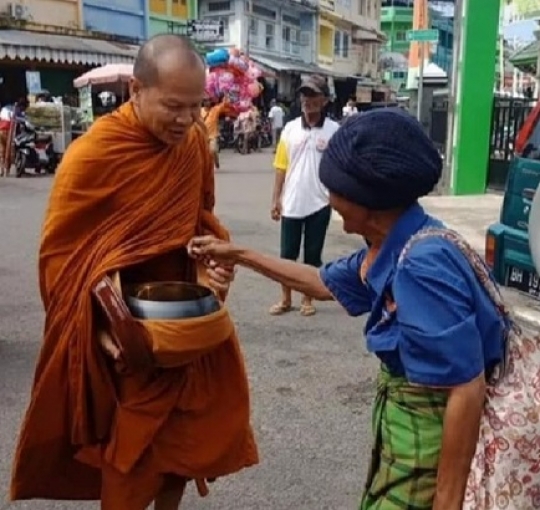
[445, 330]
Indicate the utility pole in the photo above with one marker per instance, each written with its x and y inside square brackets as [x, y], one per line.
[248, 24]
[446, 181]
[392, 24]
[421, 48]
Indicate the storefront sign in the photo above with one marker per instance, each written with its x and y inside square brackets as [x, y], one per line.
[205, 30]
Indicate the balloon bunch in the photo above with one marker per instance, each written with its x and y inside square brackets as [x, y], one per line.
[232, 74]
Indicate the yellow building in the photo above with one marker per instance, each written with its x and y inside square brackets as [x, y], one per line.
[349, 36]
[170, 15]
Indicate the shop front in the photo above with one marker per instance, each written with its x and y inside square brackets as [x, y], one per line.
[31, 61]
[287, 73]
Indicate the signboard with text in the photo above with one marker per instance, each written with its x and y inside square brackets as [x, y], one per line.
[427, 36]
[205, 30]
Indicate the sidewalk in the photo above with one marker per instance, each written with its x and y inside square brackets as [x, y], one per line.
[471, 216]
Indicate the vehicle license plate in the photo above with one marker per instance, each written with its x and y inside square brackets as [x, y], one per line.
[42, 155]
[523, 281]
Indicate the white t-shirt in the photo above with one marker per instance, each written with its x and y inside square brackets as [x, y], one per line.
[276, 114]
[299, 154]
[349, 110]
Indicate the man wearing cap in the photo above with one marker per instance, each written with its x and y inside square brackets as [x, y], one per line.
[300, 201]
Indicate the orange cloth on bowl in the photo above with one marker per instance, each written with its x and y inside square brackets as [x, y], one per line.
[121, 199]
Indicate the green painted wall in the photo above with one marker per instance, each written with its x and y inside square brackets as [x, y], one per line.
[159, 24]
[474, 103]
[395, 22]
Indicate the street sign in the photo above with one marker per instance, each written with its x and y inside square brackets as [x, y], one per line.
[205, 30]
[431, 36]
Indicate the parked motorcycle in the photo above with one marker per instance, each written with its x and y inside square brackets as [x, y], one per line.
[253, 144]
[265, 134]
[33, 149]
[226, 134]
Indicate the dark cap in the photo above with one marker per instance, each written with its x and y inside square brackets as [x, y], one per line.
[315, 83]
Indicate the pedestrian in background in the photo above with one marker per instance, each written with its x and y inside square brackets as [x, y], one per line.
[276, 116]
[349, 109]
[300, 200]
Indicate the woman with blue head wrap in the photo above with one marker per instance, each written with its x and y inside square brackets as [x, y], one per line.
[431, 324]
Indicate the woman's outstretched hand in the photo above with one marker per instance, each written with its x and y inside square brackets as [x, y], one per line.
[208, 248]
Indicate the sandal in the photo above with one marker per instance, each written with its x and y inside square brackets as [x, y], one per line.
[307, 310]
[280, 308]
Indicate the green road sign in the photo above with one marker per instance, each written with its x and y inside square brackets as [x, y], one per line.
[430, 35]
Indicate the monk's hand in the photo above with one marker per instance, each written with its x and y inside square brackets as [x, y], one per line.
[220, 275]
[109, 346]
[209, 248]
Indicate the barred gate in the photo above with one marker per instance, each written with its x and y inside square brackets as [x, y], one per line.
[509, 115]
[438, 131]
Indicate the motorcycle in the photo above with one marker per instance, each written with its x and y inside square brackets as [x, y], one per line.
[252, 145]
[265, 134]
[226, 134]
[33, 149]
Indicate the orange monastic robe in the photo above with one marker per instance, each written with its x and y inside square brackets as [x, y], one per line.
[123, 201]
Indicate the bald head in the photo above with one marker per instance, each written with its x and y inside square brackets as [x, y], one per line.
[162, 50]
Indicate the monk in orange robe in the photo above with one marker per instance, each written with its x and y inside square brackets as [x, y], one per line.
[128, 197]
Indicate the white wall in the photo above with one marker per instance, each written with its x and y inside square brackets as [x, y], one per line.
[270, 29]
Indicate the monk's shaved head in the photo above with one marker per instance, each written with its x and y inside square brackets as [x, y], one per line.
[161, 50]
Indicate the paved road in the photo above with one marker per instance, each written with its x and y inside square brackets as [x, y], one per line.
[311, 378]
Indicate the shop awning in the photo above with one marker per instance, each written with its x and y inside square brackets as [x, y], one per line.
[26, 45]
[282, 65]
[526, 58]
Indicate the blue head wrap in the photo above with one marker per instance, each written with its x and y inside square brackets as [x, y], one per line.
[381, 159]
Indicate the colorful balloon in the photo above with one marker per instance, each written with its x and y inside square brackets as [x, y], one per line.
[243, 105]
[253, 71]
[217, 57]
[253, 90]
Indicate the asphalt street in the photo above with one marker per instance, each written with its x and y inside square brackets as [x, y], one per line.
[311, 378]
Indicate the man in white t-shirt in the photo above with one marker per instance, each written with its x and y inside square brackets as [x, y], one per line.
[300, 201]
[349, 109]
[276, 116]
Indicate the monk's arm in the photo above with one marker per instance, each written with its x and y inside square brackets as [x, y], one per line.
[300, 277]
[460, 435]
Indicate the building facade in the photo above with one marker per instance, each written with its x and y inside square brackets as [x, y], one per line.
[279, 35]
[126, 18]
[349, 37]
[67, 13]
[397, 20]
[170, 15]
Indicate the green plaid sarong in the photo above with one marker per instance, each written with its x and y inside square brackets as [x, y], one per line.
[408, 426]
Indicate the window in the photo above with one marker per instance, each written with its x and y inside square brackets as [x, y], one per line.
[253, 26]
[219, 6]
[158, 7]
[270, 36]
[179, 9]
[401, 35]
[337, 43]
[291, 20]
[263, 12]
[341, 44]
[290, 40]
[345, 45]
